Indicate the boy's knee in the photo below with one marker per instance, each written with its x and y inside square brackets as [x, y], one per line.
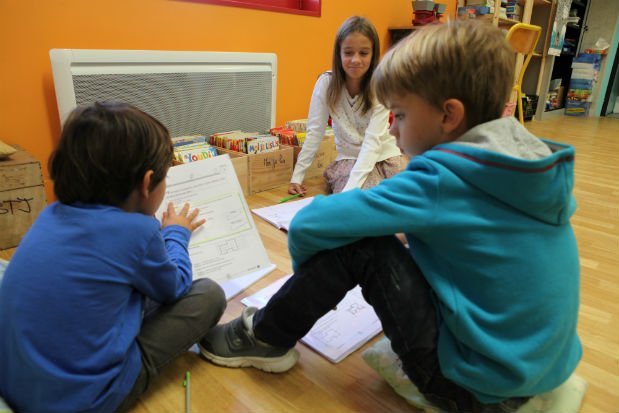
[212, 295]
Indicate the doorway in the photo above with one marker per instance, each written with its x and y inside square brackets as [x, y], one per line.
[610, 105]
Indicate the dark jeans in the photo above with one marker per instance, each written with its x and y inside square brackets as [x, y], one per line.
[169, 330]
[403, 300]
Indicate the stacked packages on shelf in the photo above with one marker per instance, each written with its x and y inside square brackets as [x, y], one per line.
[426, 12]
[513, 10]
[585, 68]
[476, 8]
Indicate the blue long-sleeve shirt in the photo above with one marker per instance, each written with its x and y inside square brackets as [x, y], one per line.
[491, 234]
[71, 305]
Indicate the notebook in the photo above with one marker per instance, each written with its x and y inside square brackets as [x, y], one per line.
[339, 332]
[280, 215]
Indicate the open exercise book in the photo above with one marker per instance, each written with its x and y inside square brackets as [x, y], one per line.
[339, 332]
[281, 215]
[227, 248]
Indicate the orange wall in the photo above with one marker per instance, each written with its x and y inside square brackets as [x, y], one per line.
[29, 29]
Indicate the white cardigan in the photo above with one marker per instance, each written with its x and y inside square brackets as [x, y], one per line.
[364, 137]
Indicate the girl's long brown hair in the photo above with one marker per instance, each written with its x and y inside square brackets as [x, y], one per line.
[354, 24]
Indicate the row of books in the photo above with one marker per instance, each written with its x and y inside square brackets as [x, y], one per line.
[197, 147]
[246, 142]
[288, 136]
[192, 148]
[293, 132]
[297, 125]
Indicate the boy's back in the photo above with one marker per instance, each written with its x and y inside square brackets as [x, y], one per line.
[87, 267]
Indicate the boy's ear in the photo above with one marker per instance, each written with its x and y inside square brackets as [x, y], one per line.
[453, 116]
[145, 184]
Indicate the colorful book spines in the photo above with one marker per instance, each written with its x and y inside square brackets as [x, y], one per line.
[246, 142]
[188, 153]
[288, 136]
[262, 144]
[297, 125]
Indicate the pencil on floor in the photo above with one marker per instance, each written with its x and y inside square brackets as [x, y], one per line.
[288, 198]
[187, 384]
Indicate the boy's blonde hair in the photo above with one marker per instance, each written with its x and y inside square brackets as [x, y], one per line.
[465, 60]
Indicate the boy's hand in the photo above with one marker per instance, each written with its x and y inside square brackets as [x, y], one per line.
[183, 218]
[296, 189]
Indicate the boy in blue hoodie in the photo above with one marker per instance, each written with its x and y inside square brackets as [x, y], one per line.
[482, 308]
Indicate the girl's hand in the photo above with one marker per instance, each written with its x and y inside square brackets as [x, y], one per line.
[183, 218]
[296, 189]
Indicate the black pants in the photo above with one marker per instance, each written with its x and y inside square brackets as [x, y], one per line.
[395, 287]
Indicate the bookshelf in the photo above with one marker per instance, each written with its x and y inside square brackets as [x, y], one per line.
[561, 67]
[397, 33]
[540, 13]
[537, 12]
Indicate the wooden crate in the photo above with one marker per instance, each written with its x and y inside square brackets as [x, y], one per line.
[241, 168]
[324, 156]
[22, 197]
[268, 170]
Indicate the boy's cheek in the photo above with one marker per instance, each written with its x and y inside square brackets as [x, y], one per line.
[400, 145]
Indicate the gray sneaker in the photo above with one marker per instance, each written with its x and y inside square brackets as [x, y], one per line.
[234, 345]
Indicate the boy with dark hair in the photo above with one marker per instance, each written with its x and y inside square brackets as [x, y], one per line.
[482, 309]
[99, 295]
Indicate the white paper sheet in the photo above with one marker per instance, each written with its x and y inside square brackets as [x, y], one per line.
[280, 215]
[227, 248]
[339, 332]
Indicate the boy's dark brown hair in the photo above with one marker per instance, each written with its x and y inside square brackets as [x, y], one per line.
[105, 150]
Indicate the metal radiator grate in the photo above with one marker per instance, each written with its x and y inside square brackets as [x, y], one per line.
[188, 103]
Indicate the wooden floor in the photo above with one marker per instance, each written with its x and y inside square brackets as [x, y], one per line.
[316, 385]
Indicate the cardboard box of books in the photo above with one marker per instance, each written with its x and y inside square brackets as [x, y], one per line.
[22, 196]
[269, 169]
[324, 156]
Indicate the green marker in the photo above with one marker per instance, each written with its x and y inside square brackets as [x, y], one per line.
[186, 384]
[288, 198]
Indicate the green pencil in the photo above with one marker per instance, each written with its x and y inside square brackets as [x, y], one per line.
[288, 198]
[187, 384]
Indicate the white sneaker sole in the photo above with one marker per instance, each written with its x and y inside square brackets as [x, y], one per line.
[269, 364]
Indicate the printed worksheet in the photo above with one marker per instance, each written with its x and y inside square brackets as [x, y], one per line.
[227, 248]
[339, 332]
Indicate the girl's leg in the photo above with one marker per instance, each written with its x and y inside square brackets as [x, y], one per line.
[383, 170]
[171, 329]
[337, 174]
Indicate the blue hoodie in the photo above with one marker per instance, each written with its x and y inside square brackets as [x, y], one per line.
[71, 305]
[487, 221]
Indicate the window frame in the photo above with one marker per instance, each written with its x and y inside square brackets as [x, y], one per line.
[302, 7]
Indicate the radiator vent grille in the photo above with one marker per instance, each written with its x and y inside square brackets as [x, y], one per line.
[188, 103]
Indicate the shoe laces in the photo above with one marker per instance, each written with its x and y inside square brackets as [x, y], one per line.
[239, 336]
